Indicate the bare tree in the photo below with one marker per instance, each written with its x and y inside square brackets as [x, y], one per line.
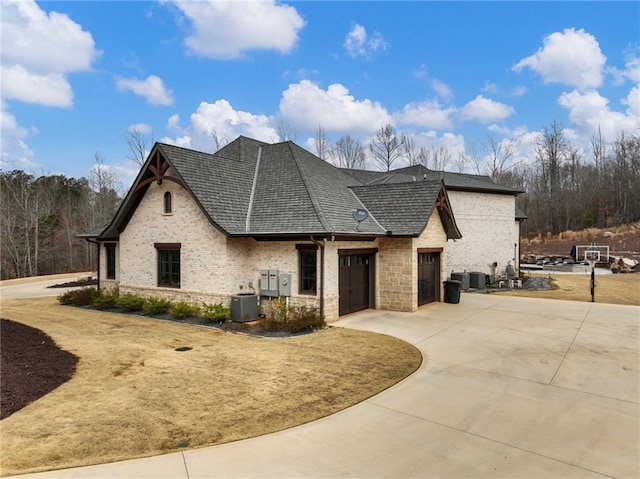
[104, 184]
[218, 140]
[412, 154]
[386, 147]
[551, 152]
[322, 145]
[438, 157]
[349, 153]
[286, 132]
[139, 145]
[500, 155]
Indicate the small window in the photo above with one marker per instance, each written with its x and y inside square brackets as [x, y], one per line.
[110, 250]
[308, 271]
[167, 203]
[169, 267]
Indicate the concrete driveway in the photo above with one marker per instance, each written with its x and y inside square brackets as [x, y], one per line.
[38, 287]
[509, 387]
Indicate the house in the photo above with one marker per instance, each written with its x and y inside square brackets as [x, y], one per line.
[204, 227]
[486, 215]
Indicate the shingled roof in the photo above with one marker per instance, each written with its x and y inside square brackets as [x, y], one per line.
[453, 181]
[256, 189]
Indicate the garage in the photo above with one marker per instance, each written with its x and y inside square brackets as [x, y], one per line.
[356, 273]
[428, 276]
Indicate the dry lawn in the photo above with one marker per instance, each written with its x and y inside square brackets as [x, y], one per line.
[134, 395]
[610, 288]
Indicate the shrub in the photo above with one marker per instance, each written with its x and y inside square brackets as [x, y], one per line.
[153, 306]
[292, 319]
[214, 312]
[182, 309]
[130, 302]
[78, 297]
[105, 299]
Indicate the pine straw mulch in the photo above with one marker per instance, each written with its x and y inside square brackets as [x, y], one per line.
[32, 366]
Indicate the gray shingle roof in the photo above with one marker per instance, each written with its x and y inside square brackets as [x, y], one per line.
[404, 208]
[251, 188]
[453, 181]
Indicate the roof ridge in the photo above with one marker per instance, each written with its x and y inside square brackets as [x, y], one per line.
[314, 200]
[253, 191]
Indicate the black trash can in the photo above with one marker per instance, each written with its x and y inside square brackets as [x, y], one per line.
[452, 290]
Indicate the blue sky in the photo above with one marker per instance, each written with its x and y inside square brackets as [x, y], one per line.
[76, 76]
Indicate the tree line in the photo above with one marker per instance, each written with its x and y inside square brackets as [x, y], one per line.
[565, 188]
[41, 216]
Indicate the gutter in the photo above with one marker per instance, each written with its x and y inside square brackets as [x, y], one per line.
[321, 246]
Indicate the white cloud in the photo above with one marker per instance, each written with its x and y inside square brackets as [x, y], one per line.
[50, 90]
[485, 110]
[427, 114]
[173, 123]
[572, 58]
[590, 111]
[38, 51]
[489, 87]
[15, 154]
[306, 106]
[143, 128]
[152, 89]
[358, 43]
[633, 102]
[443, 90]
[519, 91]
[227, 123]
[226, 30]
[631, 71]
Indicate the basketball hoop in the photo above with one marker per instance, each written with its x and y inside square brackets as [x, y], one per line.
[592, 256]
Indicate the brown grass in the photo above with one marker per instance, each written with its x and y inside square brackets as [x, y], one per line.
[613, 289]
[134, 395]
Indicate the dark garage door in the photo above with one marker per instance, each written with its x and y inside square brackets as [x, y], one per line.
[428, 277]
[355, 292]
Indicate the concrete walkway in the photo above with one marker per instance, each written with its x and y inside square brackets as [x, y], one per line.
[509, 387]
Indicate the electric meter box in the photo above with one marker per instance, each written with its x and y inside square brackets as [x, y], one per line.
[284, 286]
[269, 283]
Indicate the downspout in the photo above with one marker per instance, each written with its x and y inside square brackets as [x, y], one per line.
[321, 246]
[98, 249]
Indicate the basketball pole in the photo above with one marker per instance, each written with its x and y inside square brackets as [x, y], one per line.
[593, 282]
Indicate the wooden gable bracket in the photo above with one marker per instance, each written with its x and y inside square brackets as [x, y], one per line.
[442, 204]
[156, 172]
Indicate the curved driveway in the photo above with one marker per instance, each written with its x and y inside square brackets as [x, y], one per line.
[509, 387]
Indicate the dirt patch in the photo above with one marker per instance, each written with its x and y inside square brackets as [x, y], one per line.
[32, 366]
[623, 241]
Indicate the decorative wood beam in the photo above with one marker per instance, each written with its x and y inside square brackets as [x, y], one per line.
[442, 204]
[156, 172]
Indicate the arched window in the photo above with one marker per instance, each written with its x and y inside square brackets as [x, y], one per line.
[167, 203]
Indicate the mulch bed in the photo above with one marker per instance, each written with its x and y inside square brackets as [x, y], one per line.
[81, 282]
[31, 366]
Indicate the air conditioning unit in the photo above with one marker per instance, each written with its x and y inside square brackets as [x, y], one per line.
[477, 280]
[245, 307]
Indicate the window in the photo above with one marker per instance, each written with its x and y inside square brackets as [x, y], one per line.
[168, 265]
[110, 250]
[167, 203]
[308, 271]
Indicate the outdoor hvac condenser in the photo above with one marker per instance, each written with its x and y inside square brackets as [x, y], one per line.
[245, 307]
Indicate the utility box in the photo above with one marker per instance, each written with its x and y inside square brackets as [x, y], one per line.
[477, 280]
[463, 278]
[269, 283]
[245, 307]
[284, 285]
